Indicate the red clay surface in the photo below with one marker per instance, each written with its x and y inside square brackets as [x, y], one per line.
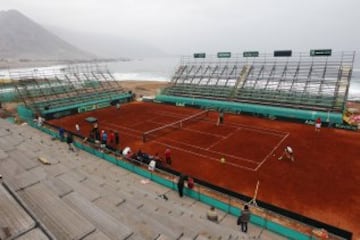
[323, 183]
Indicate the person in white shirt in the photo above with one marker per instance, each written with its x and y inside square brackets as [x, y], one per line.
[212, 215]
[288, 153]
[77, 127]
[152, 165]
[126, 152]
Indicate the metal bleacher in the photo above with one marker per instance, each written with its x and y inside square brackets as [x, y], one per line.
[45, 89]
[300, 81]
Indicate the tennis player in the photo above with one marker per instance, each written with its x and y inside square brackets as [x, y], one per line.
[220, 118]
[288, 153]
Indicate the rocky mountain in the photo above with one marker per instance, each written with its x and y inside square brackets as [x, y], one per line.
[22, 38]
[107, 45]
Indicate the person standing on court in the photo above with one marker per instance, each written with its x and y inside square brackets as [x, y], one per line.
[180, 185]
[220, 118]
[244, 218]
[318, 124]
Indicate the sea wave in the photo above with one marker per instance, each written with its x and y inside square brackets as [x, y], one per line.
[141, 77]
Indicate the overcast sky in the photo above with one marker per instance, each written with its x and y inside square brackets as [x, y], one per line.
[186, 26]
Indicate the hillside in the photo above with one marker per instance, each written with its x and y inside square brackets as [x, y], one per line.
[107, 45]
[22, 38]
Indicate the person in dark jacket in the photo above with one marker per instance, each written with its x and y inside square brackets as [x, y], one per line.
[61, 134]
[244, 218]
[180, 185]
[117, 139]
[69, 141]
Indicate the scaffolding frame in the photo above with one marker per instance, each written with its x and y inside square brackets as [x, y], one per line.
[300, 81]
[63, 86]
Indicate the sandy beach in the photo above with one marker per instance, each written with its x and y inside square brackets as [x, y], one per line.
[144, 88]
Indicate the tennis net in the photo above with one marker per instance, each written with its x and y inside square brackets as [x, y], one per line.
[156, 132]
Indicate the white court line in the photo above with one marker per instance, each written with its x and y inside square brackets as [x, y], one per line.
[197, 131]
[171, 114]
[142, 122]
[271, 152]
[259, 129]
[191, 152]
[204, 156]
[223, 138]
[131, 135]
[205, 133]
[215, 152]
[119, 126]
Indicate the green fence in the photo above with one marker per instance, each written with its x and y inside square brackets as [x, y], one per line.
[263, 110]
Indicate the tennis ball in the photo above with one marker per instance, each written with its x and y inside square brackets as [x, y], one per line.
[222, 160]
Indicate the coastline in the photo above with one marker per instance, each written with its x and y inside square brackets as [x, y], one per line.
[144, 87]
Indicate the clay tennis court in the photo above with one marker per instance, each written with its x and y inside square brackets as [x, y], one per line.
[323, 182]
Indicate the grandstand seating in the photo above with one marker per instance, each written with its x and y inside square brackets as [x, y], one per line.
[73, 86]
[301, 81]
[79, 196]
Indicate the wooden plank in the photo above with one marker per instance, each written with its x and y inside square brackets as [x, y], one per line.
[110, 226]
[78, 187]
[202, 237]
[3, 154]
[24, 180]
[145, 226]
[26, 160]
[29, 144]
[61, 220]
[6, 144]
[55, 170]
[17, 139]
[58, 186]
[10, 168]
[4, 132]
[163, 237]
[210, 229]
[97, 235]
[35, 234]
[76, 175]
[13, 215]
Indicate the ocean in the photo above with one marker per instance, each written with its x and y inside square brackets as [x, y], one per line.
[152, 69]
[161, 69]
